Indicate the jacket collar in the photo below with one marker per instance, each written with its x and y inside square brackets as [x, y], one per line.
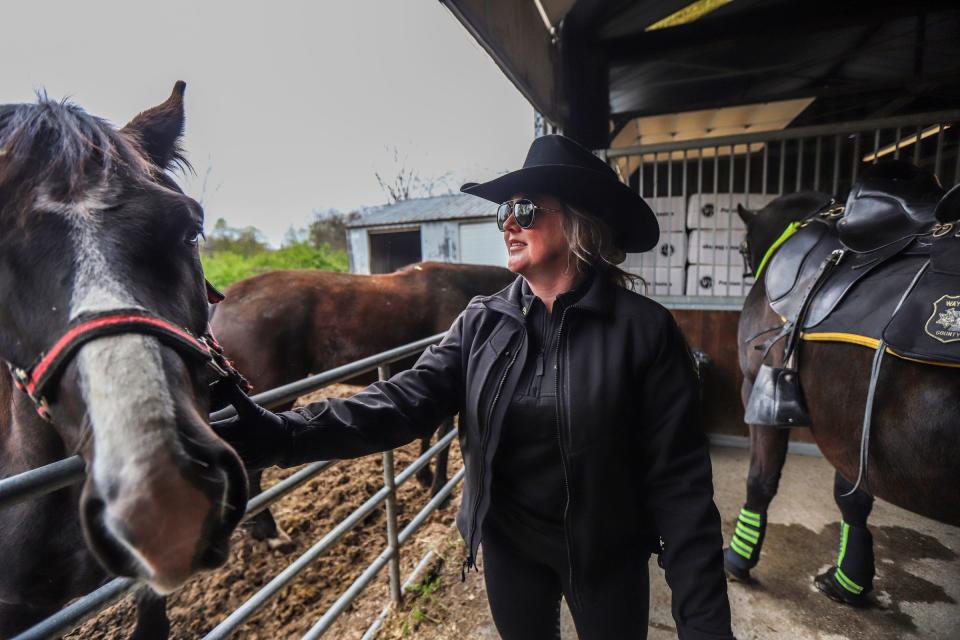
[598, 298]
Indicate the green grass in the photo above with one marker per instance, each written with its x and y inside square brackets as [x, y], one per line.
[225, 267]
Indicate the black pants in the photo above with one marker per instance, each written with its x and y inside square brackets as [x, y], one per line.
[526, 572]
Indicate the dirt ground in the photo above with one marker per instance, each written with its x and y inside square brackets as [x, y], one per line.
[917, 592]
[917, 586]
[306, 515]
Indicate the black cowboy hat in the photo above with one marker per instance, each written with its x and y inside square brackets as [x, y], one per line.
[558, 166]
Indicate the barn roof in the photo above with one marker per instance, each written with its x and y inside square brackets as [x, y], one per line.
[591, 67]
[452, 206]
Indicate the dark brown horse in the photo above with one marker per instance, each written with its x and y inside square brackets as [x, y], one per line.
[914, 452]
[92, 226]
[284, 325]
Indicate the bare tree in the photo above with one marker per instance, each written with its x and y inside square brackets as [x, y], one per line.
[408, 183]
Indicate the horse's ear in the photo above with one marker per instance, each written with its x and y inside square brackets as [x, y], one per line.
[747, 215]
[158, 130]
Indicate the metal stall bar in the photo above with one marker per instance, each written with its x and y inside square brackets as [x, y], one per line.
[392, 545]
[77, 612]
[782, 167]
[377, 624]
[789, 134]
[726, 257]
[856, 158]
[63, 473]
[42, 480]
[816, 164]
[766, 166]
[837, 141]
[670, 229]
[242, 613]
[916, 144]
[696, 279]
[938, 157]
[896, 144]
[716, 204]
[956, 157]
[799, 164]
[354, 590]
[683, 224]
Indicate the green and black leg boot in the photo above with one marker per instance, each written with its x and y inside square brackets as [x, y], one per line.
[744, 551]
[851, 579]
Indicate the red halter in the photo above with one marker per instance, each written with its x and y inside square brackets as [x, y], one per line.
[34, 380]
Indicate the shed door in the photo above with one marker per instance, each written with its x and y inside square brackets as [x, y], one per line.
[482, 243]
[391, 251]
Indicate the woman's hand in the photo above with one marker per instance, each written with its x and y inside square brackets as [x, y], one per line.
[259, 436]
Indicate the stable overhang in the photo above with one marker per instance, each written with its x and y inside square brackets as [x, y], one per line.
[592, 67]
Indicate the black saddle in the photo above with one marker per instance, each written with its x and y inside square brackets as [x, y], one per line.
[893, 201]
[858, 295]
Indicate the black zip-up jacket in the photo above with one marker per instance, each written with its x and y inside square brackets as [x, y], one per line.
[632, 446]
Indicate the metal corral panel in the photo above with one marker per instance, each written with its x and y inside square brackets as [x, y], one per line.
[482, 243]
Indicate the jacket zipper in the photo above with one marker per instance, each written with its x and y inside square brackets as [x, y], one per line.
[471, 561]
[563, 464]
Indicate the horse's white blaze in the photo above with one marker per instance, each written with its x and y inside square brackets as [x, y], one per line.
[121, 377]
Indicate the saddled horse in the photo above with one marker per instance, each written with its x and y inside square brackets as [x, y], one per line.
[102, 323]
[912, 454]
[284, 325]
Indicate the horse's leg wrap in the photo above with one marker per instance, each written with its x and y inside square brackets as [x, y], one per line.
[855, 564]
[744, 550]
[851, 579]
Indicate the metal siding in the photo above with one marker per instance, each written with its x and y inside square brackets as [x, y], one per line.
[440, 241]
[358, 251]
[482, 243]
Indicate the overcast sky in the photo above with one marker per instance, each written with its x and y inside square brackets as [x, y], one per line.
[292, 105]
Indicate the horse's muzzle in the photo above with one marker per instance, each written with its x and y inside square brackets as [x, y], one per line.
[165, 516]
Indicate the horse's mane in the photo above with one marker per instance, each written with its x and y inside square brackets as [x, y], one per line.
[61, 147]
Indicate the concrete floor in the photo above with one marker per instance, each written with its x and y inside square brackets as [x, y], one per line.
[918, 566]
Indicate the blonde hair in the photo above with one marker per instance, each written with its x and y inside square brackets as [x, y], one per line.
[591, 240]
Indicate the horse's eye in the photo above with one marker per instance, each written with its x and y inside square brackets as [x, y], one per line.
[193, 237]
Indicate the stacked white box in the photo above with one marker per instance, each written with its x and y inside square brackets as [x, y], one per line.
[671, 251]
[716, 247]
[719, 210]
[670, 212]
[717, 280]
[660, 281]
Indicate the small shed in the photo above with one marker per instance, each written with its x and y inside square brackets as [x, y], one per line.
[448, 228]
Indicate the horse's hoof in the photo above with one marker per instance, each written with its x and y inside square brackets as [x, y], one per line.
[281, 542]
[827, 585]
[733, 568]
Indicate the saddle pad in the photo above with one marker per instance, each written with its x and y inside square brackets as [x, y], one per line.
[852, 269]
[868, 304]
[927, 326]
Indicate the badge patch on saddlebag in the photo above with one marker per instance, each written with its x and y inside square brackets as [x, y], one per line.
[944, 322]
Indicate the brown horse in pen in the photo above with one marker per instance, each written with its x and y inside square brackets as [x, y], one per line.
[103, 307]
[914, 444]
[282, 326]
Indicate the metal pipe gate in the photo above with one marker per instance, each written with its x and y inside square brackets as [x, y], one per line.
[695, 187]
[63, 473]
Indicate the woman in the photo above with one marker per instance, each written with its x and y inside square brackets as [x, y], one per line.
[578, 418]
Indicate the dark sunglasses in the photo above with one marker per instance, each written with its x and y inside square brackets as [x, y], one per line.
[523, 212]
